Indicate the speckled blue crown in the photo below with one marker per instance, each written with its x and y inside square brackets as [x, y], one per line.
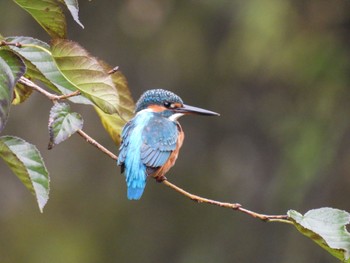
[156, 97]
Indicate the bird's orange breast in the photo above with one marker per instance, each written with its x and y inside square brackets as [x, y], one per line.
[173, 156]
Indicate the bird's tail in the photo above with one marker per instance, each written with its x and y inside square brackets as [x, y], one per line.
[136, 186]
[135, 193]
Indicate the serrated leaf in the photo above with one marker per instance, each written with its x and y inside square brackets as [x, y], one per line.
[112, 123]
[73, 8]
[40, 57]
[86, 74]
[21, 94]
[25, 161]
[126, 104]
[327, 227]
[11, 69]
[63, 123]
[48, 14]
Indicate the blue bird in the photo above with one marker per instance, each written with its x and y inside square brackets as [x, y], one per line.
[152, 139]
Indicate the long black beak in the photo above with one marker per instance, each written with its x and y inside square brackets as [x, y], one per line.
[186, 109]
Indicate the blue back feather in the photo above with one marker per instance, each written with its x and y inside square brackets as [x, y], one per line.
[147, 141]
[130, 156]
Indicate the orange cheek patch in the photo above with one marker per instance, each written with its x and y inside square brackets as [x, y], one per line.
[177, 105]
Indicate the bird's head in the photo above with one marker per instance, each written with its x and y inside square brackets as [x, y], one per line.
[168, 104]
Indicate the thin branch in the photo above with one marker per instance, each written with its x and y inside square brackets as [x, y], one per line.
[32, 85]
[49, 95]
[96, 144]
[196, 198]
[199, 199]
[266, 218]
[235, 206]
[66, 96]
[5, 43]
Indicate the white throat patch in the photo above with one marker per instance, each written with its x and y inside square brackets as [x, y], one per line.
[175, 116]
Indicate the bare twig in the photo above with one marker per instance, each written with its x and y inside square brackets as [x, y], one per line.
[96, 144]
[235, 206]
[196, 198]
[266, 218]
[34, 86]
[66, 96]
[199, 199]
[49, 95]
[5, 43]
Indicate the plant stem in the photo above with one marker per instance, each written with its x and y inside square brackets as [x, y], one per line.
[96, 144]
[32, 85]
[196, 198]
[235, 206]
[20, 45]
[49, 95]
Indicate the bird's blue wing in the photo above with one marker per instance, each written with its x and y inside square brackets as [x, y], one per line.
[147, 142]
[124, 143]
[130, 159]
[159, 141]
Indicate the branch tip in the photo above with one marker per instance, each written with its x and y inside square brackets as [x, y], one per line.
[113, 70]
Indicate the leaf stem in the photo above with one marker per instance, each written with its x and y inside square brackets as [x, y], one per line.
[96, 144]
[20, 45]
[49, 95]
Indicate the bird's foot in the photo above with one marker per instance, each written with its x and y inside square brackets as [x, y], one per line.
[160, 179]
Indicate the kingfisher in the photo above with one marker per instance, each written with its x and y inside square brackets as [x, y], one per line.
[150, 142]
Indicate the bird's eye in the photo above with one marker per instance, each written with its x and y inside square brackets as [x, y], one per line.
[167, 104]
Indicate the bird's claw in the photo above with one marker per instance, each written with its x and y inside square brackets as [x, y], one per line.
[160, 179]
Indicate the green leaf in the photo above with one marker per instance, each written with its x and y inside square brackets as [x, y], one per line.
[63, 123]
[327, 227]
[48, 14]
[39, 55]
[86, 74]
[25, 161]
[112, 123]
[126, 104]
[73, 8]
[11, 69]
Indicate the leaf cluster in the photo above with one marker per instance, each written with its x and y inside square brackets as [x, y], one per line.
[69, 73]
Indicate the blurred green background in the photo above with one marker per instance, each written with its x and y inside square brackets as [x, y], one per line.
[278, 71]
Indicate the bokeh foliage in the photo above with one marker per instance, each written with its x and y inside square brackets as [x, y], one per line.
[277, 71]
